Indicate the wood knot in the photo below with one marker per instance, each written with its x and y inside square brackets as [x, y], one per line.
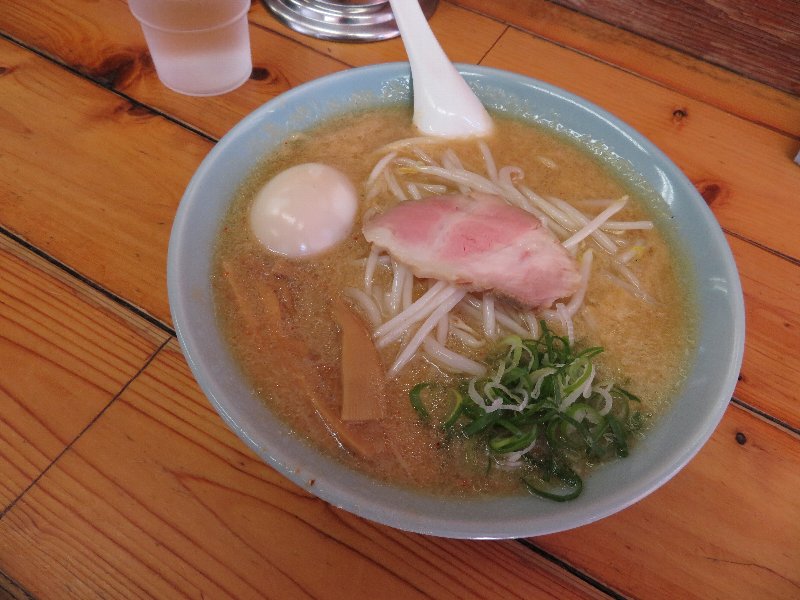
[271, 77]
[132, 109]
[712, 191]
[3, 70]
[118, 70]
[260, 74]
[139, 110]
[679, 114]
[741, 438]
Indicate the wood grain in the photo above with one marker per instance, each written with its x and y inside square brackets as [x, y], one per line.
[737, 180]
[159, 499]
[66, 351]
[725, 527]
[96, 182]
[770, 375]
[669, 67]
[107, 45]
[764, 42]
[9, 590]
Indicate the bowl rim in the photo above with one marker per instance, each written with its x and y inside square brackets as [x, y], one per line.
[368, 501]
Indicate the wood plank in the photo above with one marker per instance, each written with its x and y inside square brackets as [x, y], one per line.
[465, 36]
[738, 180]
[107, 45]
[66, 351]
[770, 375]
[10, 590]
[758, 39]
[96, 183]
[727, 526]
[694, 78]
[159, 499]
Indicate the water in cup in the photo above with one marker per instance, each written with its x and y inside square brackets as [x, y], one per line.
[199, 47]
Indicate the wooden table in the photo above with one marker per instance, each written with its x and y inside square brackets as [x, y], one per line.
[117, 479]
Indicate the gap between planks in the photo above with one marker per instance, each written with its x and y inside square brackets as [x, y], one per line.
[499, 14]
[12, 590]
[94, 419]
[108, 302]
[108, 87]
[765, 416]
[760, 246]
[600, 586]
[119, 300]
[661, 84]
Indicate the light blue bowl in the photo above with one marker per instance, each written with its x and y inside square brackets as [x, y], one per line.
[675, 439]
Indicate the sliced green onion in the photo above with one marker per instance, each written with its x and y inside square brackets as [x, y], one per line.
[565, 475]
[415, 396]
[627, 394]
[580, 411]
[481, 423]
[513, 443]
[455, 411]
[526, 383]
[619, 437]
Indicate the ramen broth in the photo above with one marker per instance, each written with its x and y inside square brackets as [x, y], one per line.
[276, 313]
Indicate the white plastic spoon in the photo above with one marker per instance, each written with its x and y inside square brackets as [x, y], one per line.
[444, 105]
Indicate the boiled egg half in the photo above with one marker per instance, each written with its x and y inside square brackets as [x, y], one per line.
[304, 210]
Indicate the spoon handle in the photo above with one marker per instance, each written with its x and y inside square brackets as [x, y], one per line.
[444, 105]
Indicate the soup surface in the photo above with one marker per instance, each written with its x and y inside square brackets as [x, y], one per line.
[277, 313]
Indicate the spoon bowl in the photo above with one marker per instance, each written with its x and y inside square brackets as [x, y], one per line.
[444, 105]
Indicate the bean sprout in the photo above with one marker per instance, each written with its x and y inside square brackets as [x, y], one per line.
[454, 297]
[407, 169]
[488, 159]
[489, 323]
[394, 328]
[459, 363]
[595, 223]
[379, 167]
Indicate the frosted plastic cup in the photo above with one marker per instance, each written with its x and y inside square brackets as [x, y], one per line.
[199, 47]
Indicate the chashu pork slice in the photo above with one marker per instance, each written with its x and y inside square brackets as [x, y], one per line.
[479, 241]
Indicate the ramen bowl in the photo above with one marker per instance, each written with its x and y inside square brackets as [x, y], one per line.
[671, 443]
